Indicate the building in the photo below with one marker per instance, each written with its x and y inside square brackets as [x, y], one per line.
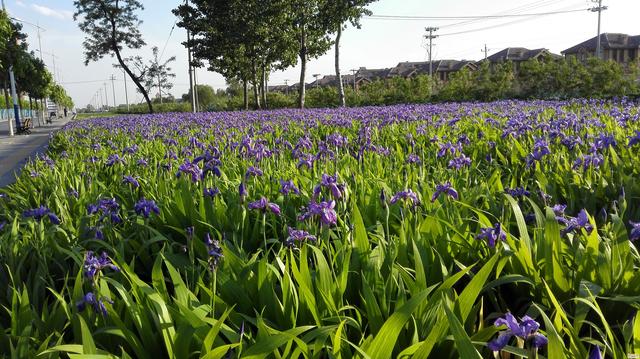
[518, 55]
[621, 48]
[364, 75]
[442, 69]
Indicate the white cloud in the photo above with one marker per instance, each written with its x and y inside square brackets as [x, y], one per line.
[20, 3]
[58, 14]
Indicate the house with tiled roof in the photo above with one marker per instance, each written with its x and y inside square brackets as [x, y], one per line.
[518, 55]
[621, 48]
[442, 69]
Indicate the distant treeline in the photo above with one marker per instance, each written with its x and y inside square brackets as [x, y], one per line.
[534, 79]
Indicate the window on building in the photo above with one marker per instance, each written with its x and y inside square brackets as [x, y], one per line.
[613, 53]
[632, 54]
[621, 55]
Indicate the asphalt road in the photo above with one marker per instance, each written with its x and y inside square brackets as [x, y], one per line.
[15, 151]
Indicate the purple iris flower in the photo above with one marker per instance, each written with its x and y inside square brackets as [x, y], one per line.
[558, 211]
[264, 205]
[2, 224]
[41, 212]
[242, 191]
[191, 169]
[413, 158]
[131, 180]
[595, 353]
[287, 187]
[634, 235]
[635, 139]
[142, 162]
[114, 159]
[108, 207]
[306, 161]
[448, 148]
[445, 188]
[526, 329]
[593, 160]
[93, 265]
[73, 193]
[211, 192]
[214, 250]
[145, 207]
[407, 195]
[492, 234]
[459, 162]
[324, 210]
[517, 192]
[579, 222]
[213, 166]
[97, 304]
[298, 235]
[330, 182]
[253, 171]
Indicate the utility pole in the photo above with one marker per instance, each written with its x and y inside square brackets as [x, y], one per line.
[599, 9]
[193, 92]
[159, 88]
[106, 97]
[113, 87]
[430, 37]
[485, 50]
[126, 93]
[286, 84]
[14, 95]
[55, 72]
[354, 72]
[195, 89]
[101, 102]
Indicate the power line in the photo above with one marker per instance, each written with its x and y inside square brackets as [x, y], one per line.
[86, 82]
[168, 38]
[479, 17]
[498, 25]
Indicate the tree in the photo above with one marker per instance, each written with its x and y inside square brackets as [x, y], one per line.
[5, 31]
[159, 74]
[59, 96]
[206, 95]
[33, 77]
[240, 39]
[313, 36]
[336, 14]
[110, 27]
[14, 49]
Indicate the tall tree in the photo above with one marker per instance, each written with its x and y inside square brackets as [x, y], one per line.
[313, 36]
[337, 14]
[110, 27]
[159, 74]
[241, 39]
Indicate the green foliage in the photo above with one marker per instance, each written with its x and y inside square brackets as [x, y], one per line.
[111, 26]
[387, 281]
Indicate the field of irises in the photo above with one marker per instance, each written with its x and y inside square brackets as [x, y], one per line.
[474, 230]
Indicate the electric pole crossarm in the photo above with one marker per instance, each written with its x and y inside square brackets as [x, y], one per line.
[430, 37]
[599, 9]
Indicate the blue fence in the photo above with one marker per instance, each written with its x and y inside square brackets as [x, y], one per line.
[8, 113]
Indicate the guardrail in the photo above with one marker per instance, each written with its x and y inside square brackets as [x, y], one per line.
[8, 114]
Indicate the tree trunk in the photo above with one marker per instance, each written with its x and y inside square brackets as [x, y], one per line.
[6, 93]
[135, 80]
[341, 97]
[116, 50]
[303, 67]
[263, 84]
[245, 94]
[256, 96]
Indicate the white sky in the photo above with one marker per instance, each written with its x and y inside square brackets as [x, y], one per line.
[379, 43]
